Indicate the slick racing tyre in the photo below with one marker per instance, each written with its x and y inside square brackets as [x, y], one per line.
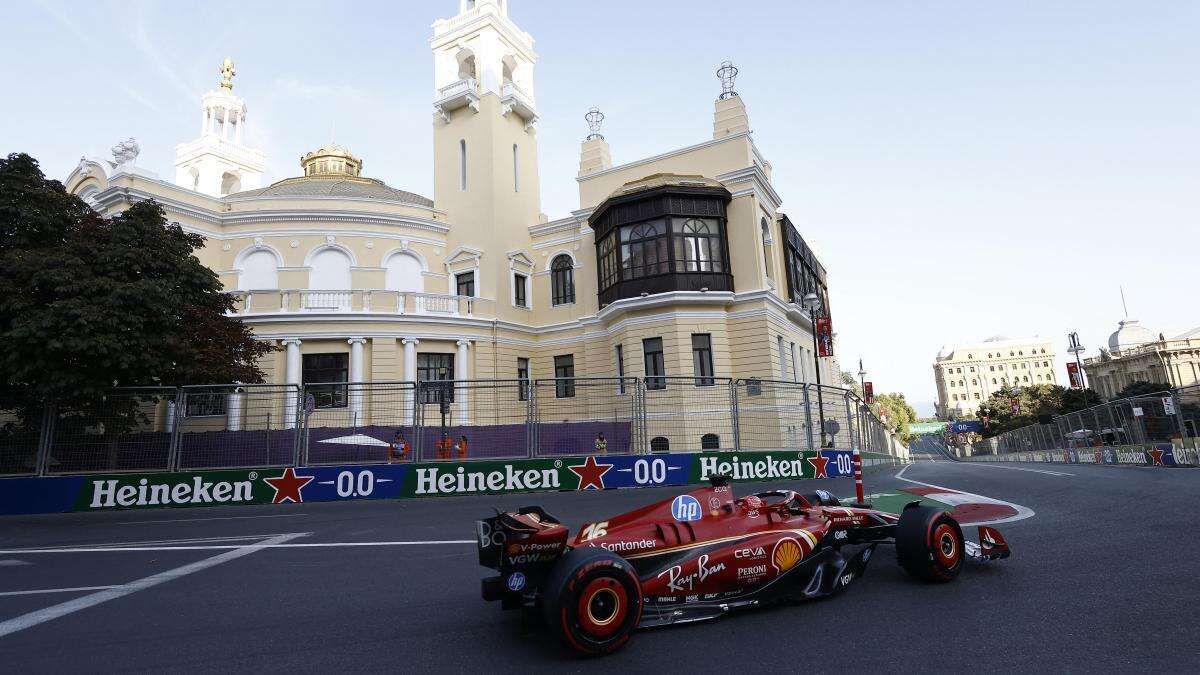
[592, 601]
[929, 544]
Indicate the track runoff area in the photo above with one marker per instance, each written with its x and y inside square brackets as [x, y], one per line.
[1103, 575]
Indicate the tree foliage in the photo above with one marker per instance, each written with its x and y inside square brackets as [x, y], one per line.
[88, 302]
[899, 414]
[849, 382]
[1141, 388]
[1036, 403]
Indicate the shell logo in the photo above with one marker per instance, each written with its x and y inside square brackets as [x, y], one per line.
[786, 554]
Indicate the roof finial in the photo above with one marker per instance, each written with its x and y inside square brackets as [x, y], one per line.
[227, 73]
[728, 73]
[594, 119]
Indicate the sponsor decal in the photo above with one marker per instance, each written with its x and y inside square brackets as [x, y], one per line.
[685, 508]
[760, 468]
[594, 531]
[818, 463]
[847, 578]
[635, 545]
[840, 534]
[677, 581]
[509, 477]
[755, 571]
[288, 486]
[866, 554]
[1156, 456]
[516, 582]
[752, 553]
[714, 503]
[528, 558]
[786, 554]
[591, 474]
[169, 491]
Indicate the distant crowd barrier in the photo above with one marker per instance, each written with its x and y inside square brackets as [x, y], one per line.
[283, 485]
[236, 426]
[1158, 454]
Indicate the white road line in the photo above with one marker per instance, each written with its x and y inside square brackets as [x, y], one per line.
[194, 540]
[71, 606]
[1016, 468]
[1023, 512]
[196, 520]
[56, 590]
[331, 544]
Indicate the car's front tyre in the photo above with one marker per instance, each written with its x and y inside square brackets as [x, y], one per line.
[929, 544]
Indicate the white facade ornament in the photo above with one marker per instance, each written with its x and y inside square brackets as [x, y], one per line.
[370, 244]
[225, 246]
[329, 238]
[126, 152]
[84, 169]
[295, 243]
[258, 242]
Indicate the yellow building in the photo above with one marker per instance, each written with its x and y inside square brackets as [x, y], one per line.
[1136, 354]
[966, 375]
[680, 264]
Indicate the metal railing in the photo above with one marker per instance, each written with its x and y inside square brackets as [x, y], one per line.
[1171, 416]
[236, 425]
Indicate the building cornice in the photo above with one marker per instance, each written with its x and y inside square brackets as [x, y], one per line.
[760, 184]
[665, 155]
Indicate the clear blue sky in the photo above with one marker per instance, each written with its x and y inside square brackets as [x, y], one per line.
[963, 168]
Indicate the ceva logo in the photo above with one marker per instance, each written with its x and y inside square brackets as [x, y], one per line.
[685, 508]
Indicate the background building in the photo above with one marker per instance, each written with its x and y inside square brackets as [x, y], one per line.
[966, 375]
[1136, 354]
[676, 265]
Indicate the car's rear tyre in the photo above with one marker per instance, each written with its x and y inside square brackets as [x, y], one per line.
[929, 544]
[592, 601]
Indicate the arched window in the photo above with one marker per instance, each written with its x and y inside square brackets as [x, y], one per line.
[462, 164]
[766, 242]
[562, 280]
[644, 249]
[403, 273]
[330, 271]
[660, 444]
[697, 245]
[710, 442]
[260, 271]
[466, 65]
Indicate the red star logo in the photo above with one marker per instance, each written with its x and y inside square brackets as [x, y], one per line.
[818, 464]
[288, 486]
[1156, 456]
[591, 474]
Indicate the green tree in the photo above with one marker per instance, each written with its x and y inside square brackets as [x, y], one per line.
[851, 383]
[1036, 403]
[898, 412]
[1141, 388]
[88, 302]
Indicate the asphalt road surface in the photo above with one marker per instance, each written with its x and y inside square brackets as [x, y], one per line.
[1104, 577]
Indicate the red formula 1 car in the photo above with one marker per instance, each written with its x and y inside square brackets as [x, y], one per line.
[702, 554]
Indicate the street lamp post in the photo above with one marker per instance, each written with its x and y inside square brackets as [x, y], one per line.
[1075, 348]
[862, 379]
[812, 303]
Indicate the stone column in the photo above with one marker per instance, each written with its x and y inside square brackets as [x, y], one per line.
[292, 375]
[356, 376]
[241, 122]
[410, 375]
[461, 373]
[224, 124]
[203, 121]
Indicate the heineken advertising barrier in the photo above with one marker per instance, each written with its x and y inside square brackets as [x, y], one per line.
[1158, 454]
[396, 481]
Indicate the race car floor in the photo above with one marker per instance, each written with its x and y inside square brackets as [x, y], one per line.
[1103, 577]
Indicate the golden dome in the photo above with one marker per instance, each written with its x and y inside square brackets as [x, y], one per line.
[331, 160]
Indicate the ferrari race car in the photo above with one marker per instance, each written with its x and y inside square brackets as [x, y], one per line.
[702, 554]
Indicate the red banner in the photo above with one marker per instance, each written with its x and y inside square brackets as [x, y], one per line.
[824, 336]
[869, 392]
[1073, 375]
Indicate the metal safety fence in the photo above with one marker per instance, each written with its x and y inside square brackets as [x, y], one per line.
[1171, 416]
[239, 426]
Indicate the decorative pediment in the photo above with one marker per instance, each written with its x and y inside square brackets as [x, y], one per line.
[463, 257]
[517, 260]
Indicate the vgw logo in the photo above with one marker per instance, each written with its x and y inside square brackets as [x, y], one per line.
[685, 508]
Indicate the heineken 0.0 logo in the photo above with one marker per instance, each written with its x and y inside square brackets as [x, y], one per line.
[167, 490]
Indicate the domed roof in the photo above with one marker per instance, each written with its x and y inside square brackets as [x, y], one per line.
[335, 186]
[331, 159]
[1130, 334]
